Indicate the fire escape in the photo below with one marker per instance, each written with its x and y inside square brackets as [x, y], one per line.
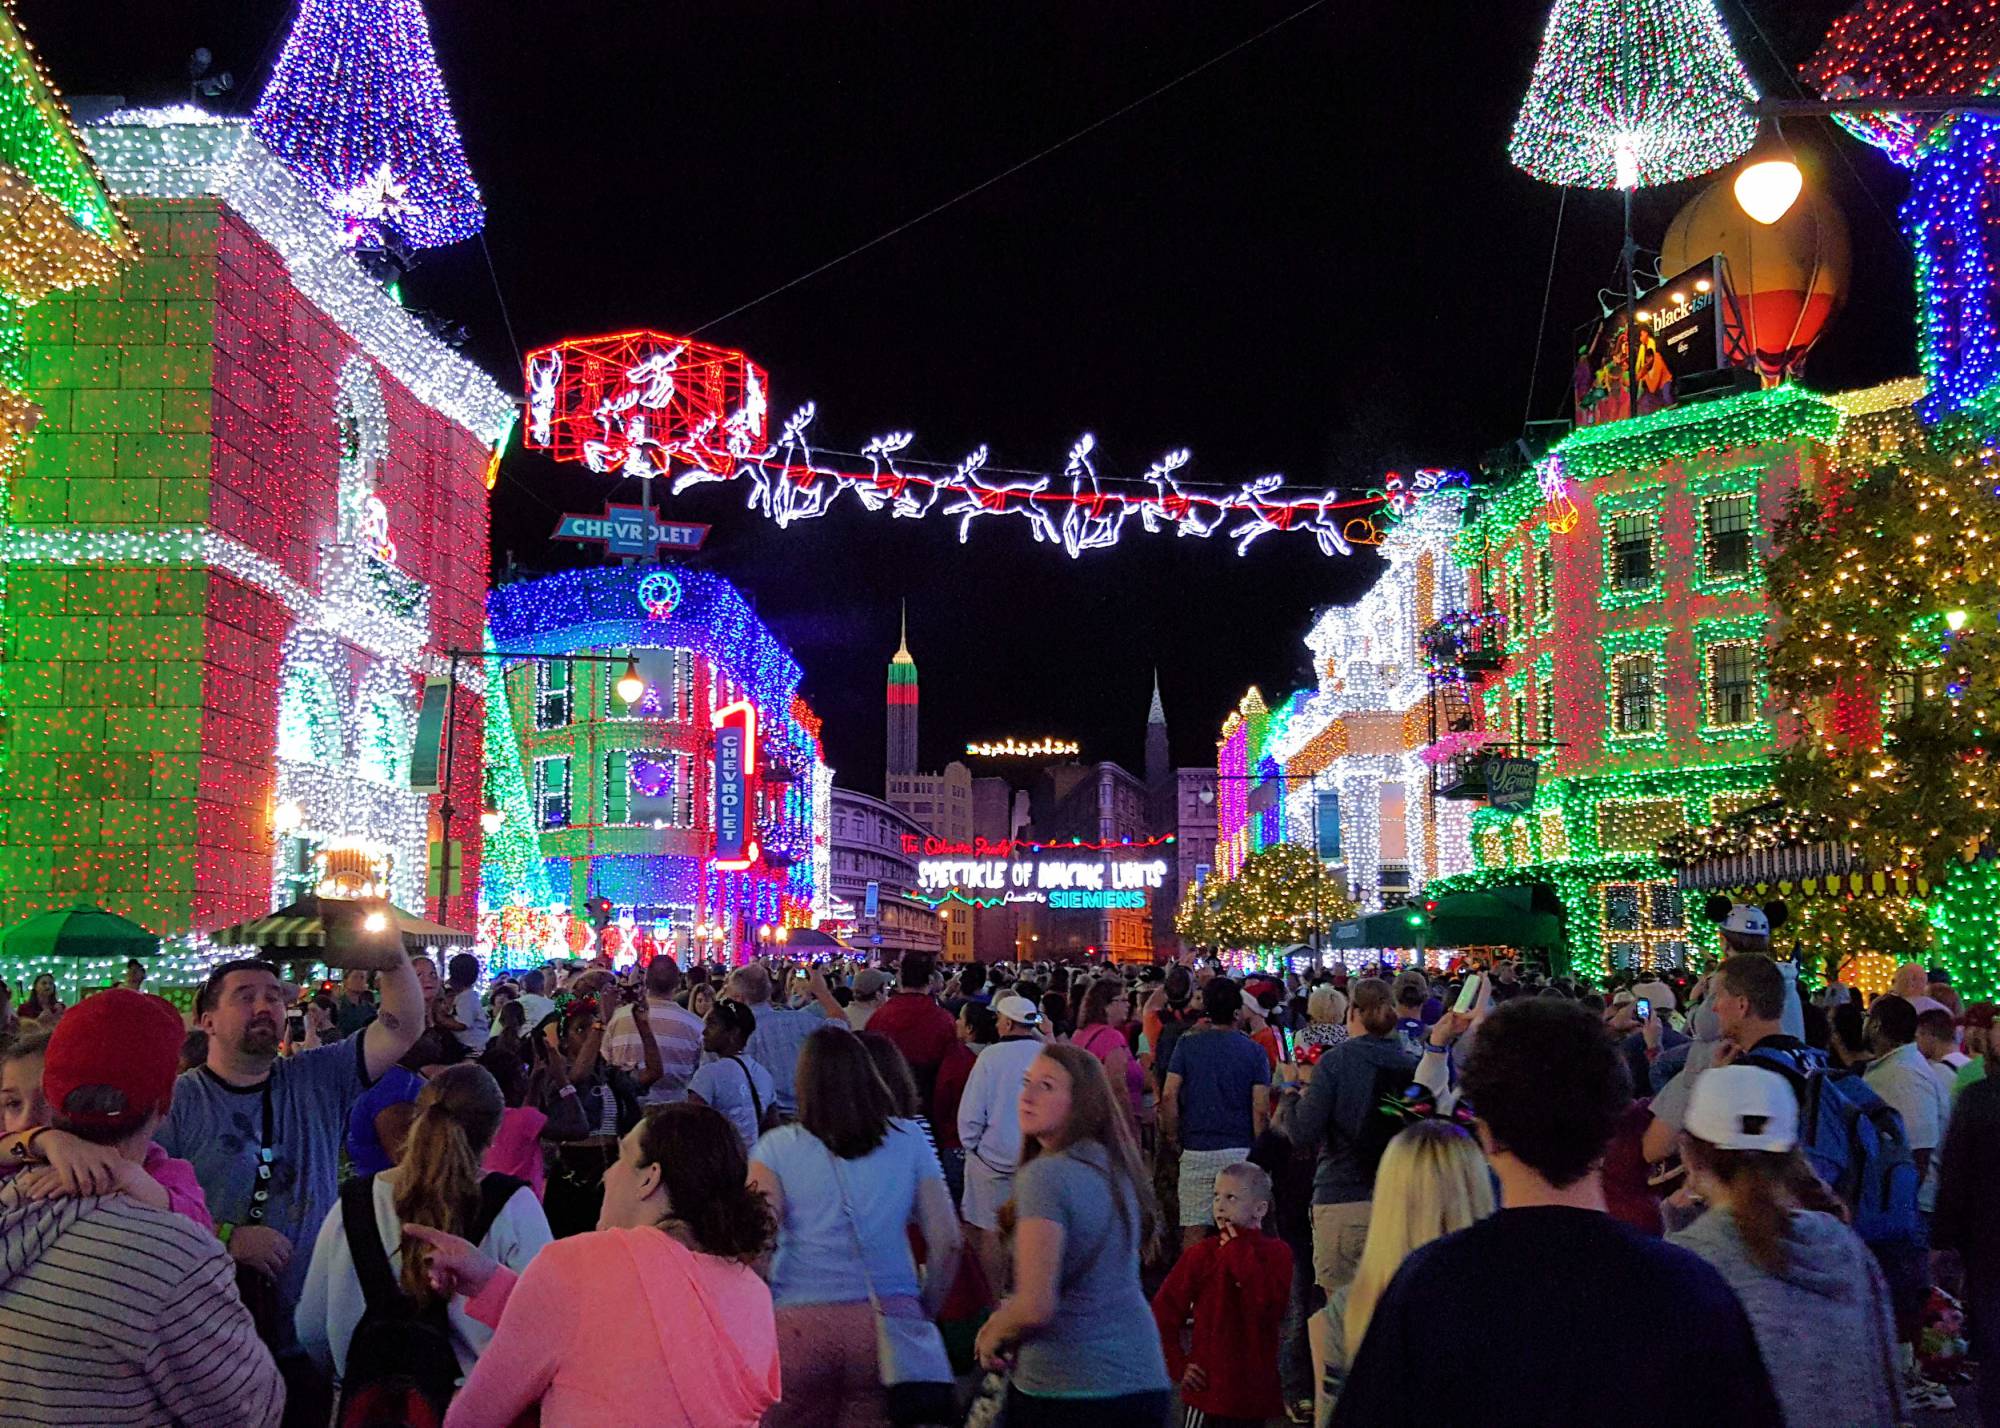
[1461, 649]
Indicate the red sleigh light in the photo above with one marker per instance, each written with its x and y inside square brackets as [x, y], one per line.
[643, 403]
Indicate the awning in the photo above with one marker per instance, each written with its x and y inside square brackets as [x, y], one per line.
[1786, 863]
[302, 927]
[1504, 917]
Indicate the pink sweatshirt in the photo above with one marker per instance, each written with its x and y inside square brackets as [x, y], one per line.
[623, 1326]
[176, 1177]
[517, 1149]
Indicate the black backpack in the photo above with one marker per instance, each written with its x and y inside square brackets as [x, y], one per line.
[1173, 1025]
[401, 1368]
[1390, 1110]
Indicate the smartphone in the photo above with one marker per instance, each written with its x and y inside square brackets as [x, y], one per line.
[1468, 995]
[295, 1026]
[1291, 1039]
[1645, 1009]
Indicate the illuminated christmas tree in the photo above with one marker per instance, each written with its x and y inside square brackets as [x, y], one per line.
[1632, 92]
[357, 109]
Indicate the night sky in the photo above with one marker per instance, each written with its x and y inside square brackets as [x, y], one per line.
[1311, 258]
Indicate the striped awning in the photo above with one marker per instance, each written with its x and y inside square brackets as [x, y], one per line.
[301, 926]
[1791, 863]
[1797, 872]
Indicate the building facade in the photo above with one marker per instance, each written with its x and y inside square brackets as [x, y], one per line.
[1354, 752]
[902, 704]
[940, 804]
[1100, 807]
[699, 811]
[870, 842]
[248, 530]
[1194, 828]
[1625, 579]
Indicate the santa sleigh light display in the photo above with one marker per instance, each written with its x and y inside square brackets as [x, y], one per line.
[654, 406]
[642, 403]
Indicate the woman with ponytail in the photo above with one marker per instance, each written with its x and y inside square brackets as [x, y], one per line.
[655, 1318]
[1816, 1299]
[438, 1183]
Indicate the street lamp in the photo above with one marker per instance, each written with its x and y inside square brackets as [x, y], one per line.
[287, 816]
[491, 821]
[1769, 182]
[631, 688]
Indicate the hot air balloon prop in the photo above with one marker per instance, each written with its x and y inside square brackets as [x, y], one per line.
[1789, 278]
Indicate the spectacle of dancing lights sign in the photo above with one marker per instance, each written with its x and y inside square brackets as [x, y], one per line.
[1068, 880]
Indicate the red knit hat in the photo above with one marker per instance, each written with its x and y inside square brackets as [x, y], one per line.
[127, 1040]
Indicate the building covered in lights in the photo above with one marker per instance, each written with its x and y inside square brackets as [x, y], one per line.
[1617, 616]
[249, 526]
[699, 811]
[1347, 765]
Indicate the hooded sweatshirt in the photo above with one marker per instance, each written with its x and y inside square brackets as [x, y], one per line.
[1823, 1326]
[624, 1326]
[114, 1312]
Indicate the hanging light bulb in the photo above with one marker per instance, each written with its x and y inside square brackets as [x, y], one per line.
[630, 686]
[1769, 182]
[491, 821]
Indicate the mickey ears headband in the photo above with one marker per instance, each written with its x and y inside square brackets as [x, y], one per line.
[1717, 910]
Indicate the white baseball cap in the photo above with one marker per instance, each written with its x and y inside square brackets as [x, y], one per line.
[1018, 1010]
[1748, 920]
[1743, 1108]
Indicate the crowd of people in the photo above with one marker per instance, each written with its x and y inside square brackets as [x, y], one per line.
[802, 1194]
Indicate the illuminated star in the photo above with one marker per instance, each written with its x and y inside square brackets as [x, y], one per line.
[380, 195]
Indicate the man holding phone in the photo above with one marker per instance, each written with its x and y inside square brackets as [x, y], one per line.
[264, 1134]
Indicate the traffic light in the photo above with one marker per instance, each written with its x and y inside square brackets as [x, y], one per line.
[600, 910]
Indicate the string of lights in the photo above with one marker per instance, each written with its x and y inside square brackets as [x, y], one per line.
[1628, 93]
[652, 406]
[357, 109]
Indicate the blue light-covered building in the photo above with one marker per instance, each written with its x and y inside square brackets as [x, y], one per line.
[699, 811]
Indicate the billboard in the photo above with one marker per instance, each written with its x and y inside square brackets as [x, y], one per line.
[1688, 324]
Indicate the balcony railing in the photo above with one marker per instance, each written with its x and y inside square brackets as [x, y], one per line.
[1466, 642]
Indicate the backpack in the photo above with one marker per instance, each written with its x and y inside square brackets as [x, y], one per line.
[1390, 1109]
[401, 1368]
[1172, 1025]
[1854, 1141]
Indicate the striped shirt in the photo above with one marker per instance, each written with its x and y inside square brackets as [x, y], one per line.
[678, 1032]
[112, 1312]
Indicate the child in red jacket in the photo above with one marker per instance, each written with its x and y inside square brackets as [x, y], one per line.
[1234, 1285]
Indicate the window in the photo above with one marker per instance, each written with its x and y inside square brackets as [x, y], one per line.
[1545, 710]
[1728, 544]
[1732, 685]
[309, 718]
[1545, 584]
[1632, 551]
[551, 693]
[1634, 674]
[552, 792]
[669, 678]
[618, 787]
[1516, 619]
[1900, 702]
[1521, 718]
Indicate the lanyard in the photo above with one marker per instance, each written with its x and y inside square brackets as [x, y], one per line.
[267, 1152]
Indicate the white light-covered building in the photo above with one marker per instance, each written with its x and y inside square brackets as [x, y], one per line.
[1357, 786]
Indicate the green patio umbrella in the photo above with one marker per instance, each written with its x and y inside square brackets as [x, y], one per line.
[78, 934]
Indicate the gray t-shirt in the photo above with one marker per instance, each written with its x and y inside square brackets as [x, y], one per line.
[1102, 1342]
[219, 1129]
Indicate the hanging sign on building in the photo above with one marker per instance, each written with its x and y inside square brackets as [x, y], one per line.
[631, 531]
[735, 756]
[1510, 783]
